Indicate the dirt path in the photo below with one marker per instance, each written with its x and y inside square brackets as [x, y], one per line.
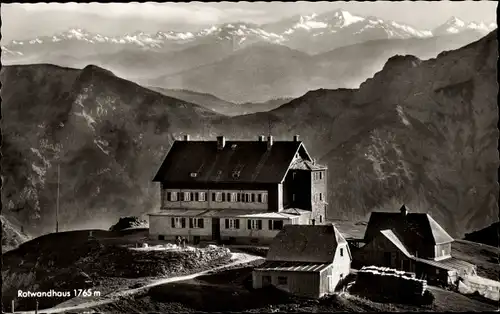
[237, 259]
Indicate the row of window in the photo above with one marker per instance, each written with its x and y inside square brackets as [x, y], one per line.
[194, 223]
[234, 197]
[318, 176]
[229, 223]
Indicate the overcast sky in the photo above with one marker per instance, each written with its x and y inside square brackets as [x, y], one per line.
[29, 20]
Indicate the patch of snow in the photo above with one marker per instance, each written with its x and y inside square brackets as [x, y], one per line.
[452, 30]
[456, 21]
[307, 24]
[402, 115]
[35, 41]
[56, 39]
[210, 30]
[411, 30]
[349, 18]
[90, 121]
[100, 144]
[239, 32]
[185, 35]
[39, 170]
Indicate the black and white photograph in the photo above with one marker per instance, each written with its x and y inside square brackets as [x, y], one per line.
[250, 157]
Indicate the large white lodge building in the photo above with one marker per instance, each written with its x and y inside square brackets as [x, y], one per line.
[237, 191]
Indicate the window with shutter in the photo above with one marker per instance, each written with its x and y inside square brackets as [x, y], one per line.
[259, 198]
[277, 224]
[228, 197]
[197, 196]
[264, 198]
[253, 198]
[202, 197]
[239, 197]
[223, 197]
[200, 223]
[259, 224]
[183, 222]
[247, 198]
[174, 197]
[213, 197]
[249, 224]
[227, 223]
[191, 197]
[181, 197]
[237, 224]
[173, 222]
[320, 196]
[190, 222]
[270, 225]
[169, 196]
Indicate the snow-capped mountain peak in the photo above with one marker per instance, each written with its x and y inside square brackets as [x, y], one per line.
[455, 25]
[347, 18]
[455, 21]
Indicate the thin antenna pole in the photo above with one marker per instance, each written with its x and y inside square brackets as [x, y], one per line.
[269, 126]
[57, 206]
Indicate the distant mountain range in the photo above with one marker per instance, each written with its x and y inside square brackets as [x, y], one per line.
[267, 71]
[221, 106]
[419, 132]
[309, 33]
[257, 62]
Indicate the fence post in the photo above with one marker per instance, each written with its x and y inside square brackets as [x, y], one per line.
[36, 308]
[12, 306]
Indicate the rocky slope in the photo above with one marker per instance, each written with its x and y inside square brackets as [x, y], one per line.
[419, 132]
[108, 135]
[12, 234]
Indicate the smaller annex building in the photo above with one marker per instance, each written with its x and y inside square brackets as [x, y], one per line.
[305, 260]
[412, 242]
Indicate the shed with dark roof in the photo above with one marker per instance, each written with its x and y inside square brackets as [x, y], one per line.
[411, 242]
[305, 260]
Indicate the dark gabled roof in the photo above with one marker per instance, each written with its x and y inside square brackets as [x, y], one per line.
[305, 243]
[238, 161]
[413, 229]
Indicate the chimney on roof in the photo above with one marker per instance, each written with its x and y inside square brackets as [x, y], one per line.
[295, 138]
[269, 142]
[403, 210]
[221, 142]
[186, 137]
[261, 138]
